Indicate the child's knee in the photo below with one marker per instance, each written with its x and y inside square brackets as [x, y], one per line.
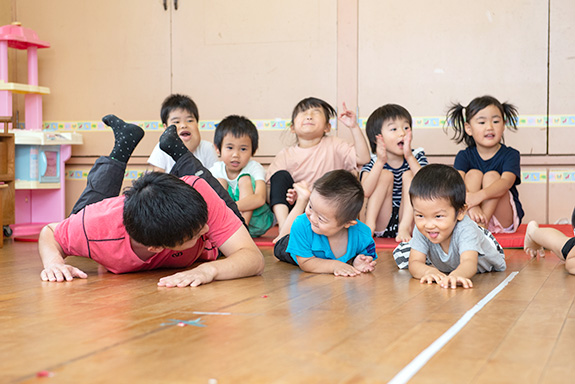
[490, 177]
[386, 179]
[407, 176]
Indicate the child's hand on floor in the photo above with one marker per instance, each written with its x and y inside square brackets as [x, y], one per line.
[452, 281]
[364, 263]
[344, 269]
[432, 277]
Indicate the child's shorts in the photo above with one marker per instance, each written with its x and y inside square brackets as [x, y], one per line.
[495, 226]
[280, 251]
[392, 226]
[569, 244]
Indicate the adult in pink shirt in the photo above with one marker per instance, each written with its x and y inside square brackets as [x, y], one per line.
[160, 222]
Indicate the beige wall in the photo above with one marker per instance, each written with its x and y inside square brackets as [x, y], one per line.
[258, 58]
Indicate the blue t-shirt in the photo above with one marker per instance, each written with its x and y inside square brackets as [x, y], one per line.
[304, 242]
[506, 159]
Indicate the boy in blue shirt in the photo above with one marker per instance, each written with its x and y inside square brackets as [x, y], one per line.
[328, 238]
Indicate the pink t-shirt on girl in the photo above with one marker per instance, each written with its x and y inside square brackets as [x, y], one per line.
[310, 164]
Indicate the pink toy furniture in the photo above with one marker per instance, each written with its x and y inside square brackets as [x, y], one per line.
[35, 203]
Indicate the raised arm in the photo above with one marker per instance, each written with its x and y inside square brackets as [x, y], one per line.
[408, 154]
[349, 119]
[370, 179]
[52, 256]
[243, 259]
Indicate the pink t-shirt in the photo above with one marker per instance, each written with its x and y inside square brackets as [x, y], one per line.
[98, 232]
[310, 164]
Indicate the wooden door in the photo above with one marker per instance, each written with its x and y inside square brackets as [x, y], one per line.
[106, 56]
[254, 58]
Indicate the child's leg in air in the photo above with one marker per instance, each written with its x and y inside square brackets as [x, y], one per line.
[499, 207]
[380, 204]
[106, 176]
[280, 182]
[188, 165]
[405, 228]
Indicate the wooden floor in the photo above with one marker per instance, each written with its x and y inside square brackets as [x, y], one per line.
[283, 327]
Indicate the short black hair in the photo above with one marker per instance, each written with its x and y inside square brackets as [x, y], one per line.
[177, 101]
[439, 181]
[381, 115]
[344, 190]
[313, 102]
[161, 210]
[238, 126]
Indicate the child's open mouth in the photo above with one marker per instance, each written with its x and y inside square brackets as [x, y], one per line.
[400, 144]
[433, 235]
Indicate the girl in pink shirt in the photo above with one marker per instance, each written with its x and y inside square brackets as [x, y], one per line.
[314, 153]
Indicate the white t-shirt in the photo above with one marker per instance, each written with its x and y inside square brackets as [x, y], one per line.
[252, 168]
[205, 152]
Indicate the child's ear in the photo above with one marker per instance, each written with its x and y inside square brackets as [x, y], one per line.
[327, 128]
[461, 213]
[164, 125]
[350, 223]
[467, 127]
[217, 150]
[155, 249]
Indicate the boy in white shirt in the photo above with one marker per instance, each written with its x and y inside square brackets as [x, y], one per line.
[181, 111]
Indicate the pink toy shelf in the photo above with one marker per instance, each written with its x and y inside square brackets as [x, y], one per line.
[39, 199]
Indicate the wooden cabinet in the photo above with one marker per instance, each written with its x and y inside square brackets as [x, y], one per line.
[7, 168]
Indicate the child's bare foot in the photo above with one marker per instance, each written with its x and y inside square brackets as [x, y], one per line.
[403, 235]
[529, 245]
[364, 263]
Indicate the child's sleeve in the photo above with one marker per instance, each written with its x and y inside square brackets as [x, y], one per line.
[367, 246]
[300, 238]
[513, 164]
[461, 162]
[419, 242]
[278, 164]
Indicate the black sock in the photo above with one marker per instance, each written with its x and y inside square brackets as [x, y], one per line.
[126, 137]
[171, 143]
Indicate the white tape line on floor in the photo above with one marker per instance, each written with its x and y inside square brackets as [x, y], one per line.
[416, 364]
